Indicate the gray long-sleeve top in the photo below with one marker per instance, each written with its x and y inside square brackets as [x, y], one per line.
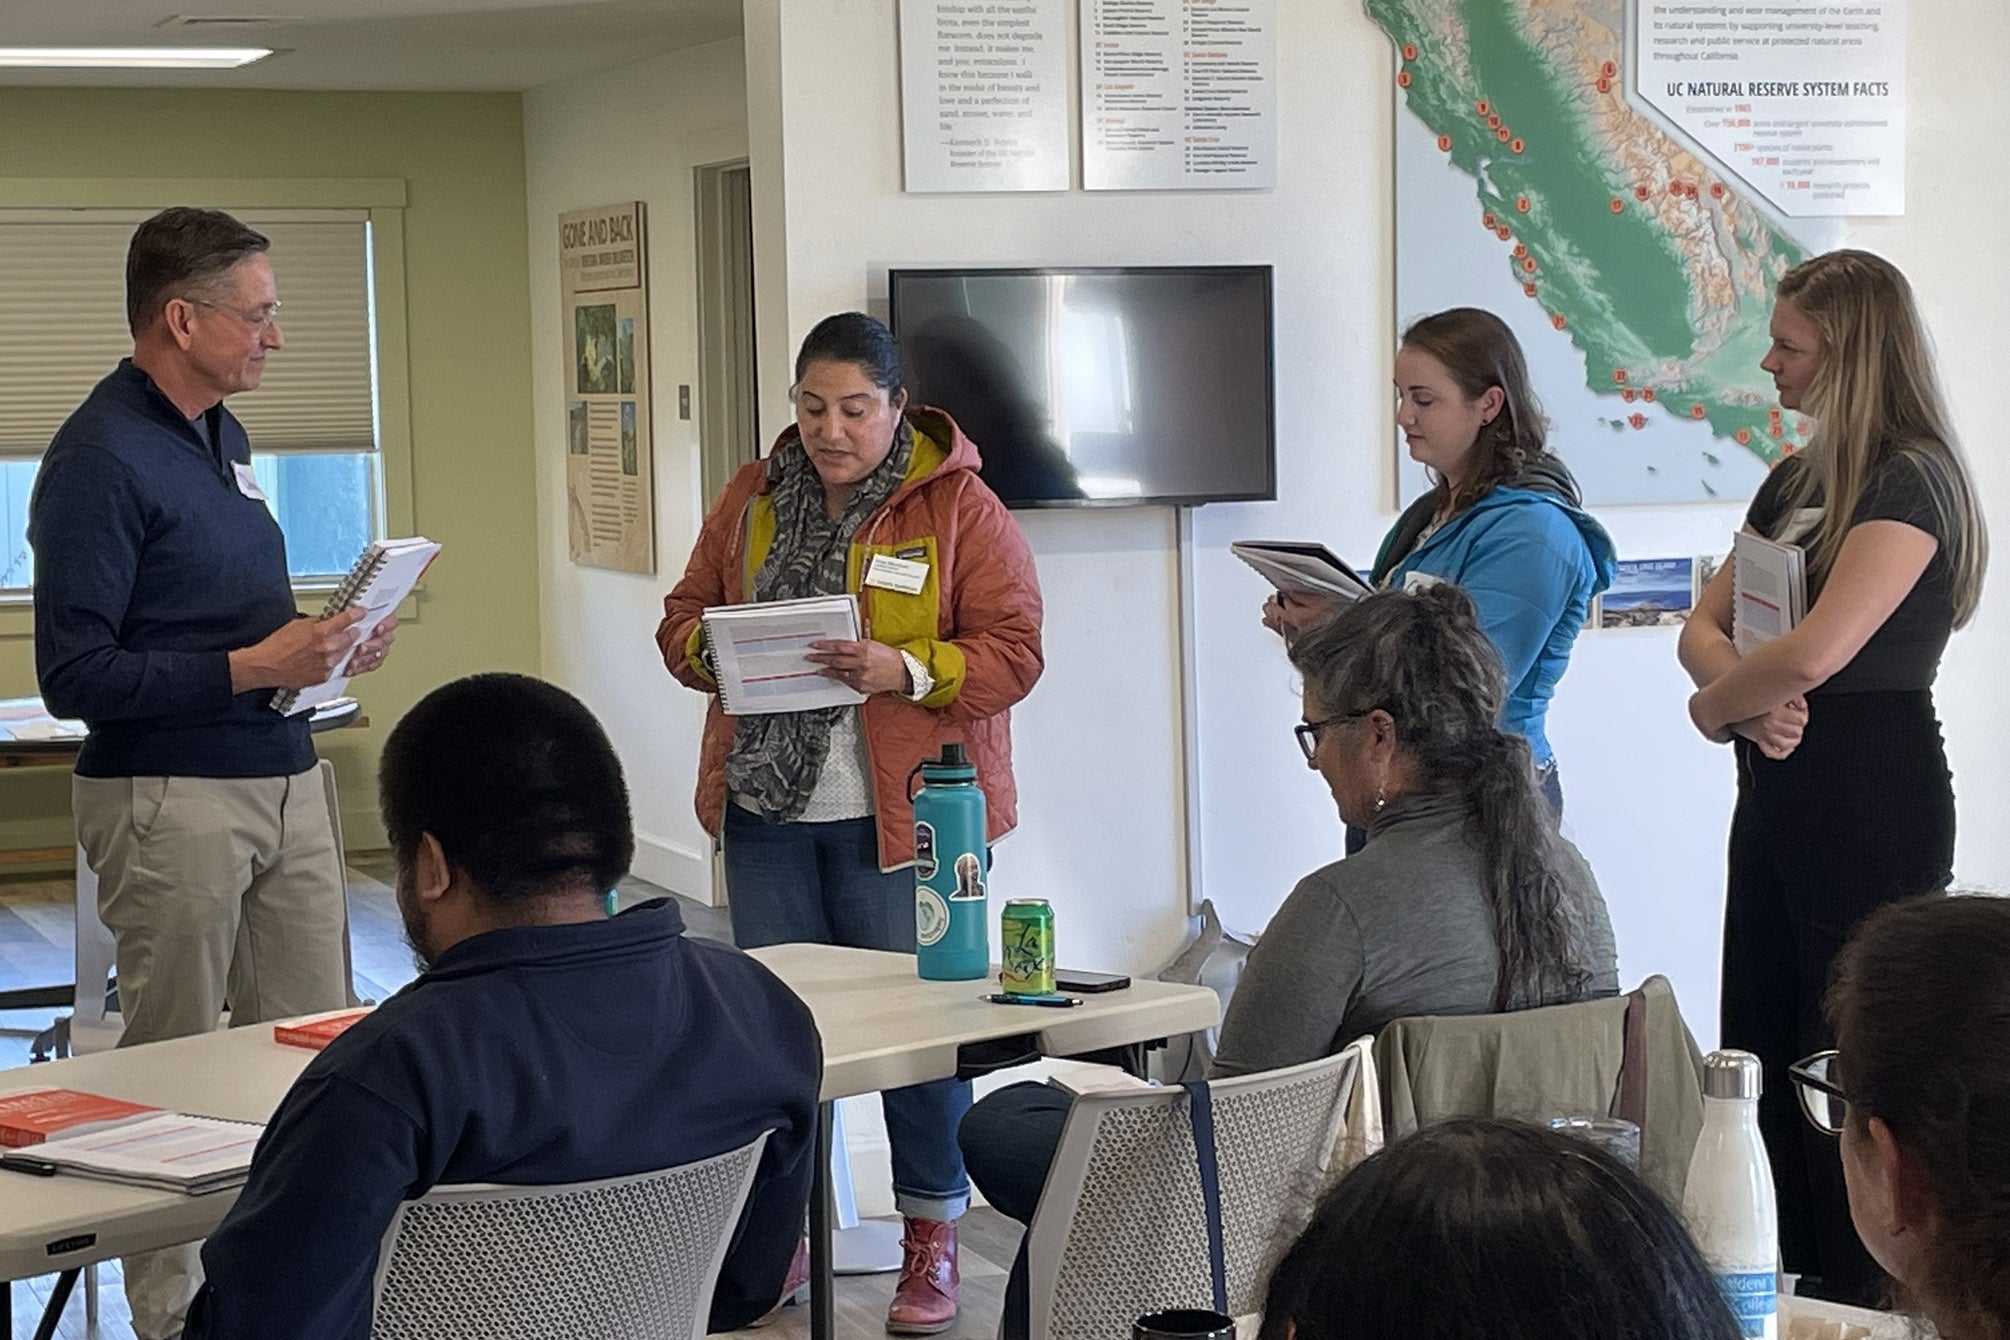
[1401, 928]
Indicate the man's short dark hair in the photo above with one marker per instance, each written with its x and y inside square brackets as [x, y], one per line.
[178, 251]
[517, 781]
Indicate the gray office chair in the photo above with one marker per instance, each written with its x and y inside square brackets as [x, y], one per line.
[619, 1259]
[1122, 1225]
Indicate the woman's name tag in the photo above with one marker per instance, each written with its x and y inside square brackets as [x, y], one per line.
[896, 574]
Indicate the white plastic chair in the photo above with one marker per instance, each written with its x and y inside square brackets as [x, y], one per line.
[618, 1259]
[1122, 1228]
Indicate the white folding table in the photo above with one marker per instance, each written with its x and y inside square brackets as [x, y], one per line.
[882, 1028]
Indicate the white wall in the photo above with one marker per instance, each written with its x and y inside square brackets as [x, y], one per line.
[1098, 740]
[1097, 743]
[631, 134]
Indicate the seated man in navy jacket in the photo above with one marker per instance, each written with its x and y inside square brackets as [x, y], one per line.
[544, 1043]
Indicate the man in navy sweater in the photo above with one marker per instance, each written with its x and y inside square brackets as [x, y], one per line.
[165, 619]
[545, 1042]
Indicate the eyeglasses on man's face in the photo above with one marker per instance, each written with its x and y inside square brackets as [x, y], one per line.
[260, 319]
[1818, 1084]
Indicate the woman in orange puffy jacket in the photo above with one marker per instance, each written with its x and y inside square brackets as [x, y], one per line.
[864, 495]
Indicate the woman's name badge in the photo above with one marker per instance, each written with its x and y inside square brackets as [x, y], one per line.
[247, 482]
[896, 574]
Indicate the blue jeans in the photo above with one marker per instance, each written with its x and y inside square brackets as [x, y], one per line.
[821, 883]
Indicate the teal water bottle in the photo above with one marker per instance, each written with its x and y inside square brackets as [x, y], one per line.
[952, 927]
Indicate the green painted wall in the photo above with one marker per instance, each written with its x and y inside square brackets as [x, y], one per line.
[467, 303]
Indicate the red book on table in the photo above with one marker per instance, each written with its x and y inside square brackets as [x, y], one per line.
[317, 1033]
[32, 1115]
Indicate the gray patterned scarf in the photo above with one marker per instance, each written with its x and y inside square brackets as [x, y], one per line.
[777, 757]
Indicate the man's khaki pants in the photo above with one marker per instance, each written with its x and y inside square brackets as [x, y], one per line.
[214, 889]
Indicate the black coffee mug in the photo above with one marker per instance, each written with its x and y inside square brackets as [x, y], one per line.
[1183, 1323]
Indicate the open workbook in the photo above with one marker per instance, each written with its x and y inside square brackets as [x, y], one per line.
[383, 575]
[760, 653]
[141, 1147]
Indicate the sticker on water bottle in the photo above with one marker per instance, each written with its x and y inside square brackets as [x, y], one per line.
[924, 849]
[931, 915]
[969, 879]
[1751, 1294]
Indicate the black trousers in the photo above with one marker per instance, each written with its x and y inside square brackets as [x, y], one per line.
[1861, 814]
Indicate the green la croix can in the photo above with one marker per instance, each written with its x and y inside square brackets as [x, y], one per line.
[1026, 931]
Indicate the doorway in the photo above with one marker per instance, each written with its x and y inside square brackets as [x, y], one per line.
[727, 418]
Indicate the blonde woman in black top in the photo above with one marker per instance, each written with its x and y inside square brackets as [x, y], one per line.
[1845, 801]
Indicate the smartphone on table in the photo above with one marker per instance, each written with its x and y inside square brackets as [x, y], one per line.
[1088, 983]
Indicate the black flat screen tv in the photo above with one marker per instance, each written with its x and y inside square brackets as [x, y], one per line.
[1099, 387]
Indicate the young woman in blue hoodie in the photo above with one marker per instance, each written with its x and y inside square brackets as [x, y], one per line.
[1503, 522]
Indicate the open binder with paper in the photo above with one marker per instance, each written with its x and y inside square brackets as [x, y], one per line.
[170, 1150]
[1302, 567]
[760, 653]
[1768, 592]
[383, 575]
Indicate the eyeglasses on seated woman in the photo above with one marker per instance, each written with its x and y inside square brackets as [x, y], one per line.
[1823, 1099]
[1466, 901]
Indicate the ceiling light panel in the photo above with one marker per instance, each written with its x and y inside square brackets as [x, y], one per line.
[130, 58]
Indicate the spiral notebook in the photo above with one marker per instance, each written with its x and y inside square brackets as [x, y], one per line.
[384, 574]
[760, 653]
[173, 1151]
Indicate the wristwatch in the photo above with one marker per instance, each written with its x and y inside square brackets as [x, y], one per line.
[918, 676]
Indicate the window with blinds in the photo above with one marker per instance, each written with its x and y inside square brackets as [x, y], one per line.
[63, 285]
[312, 421]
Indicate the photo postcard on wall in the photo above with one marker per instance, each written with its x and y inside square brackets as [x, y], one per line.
[609, 475]
[1648, 593]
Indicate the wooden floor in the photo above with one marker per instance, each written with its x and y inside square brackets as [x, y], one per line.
[36, 921]
[988, 1242]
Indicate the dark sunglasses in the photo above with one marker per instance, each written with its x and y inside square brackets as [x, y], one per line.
[1823, 1100]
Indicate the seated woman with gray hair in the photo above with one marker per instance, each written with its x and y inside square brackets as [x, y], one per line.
[1465, 900]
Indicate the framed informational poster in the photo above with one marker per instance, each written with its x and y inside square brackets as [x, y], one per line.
[1803, 104]
[609, 479]
[984, 95]
[1179, 95]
